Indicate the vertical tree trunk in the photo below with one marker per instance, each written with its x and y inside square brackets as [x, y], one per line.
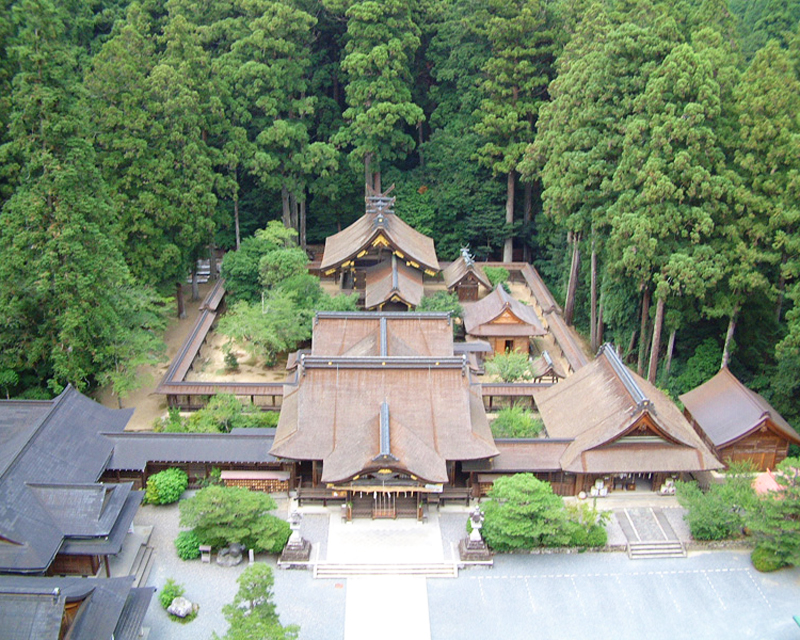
[653, 368]
[236, 221]
[599, 331]
[367, 174]
[643, 331]
[631, 344]
[376, 181]
[572, 286]
[527, 217]
[212, 260]
[726, 350]
[593, 302]
[286, 208]
[303, 223]
[508, 246]
[179, 298]
[293, 211]
[670, 349]
[195, 284]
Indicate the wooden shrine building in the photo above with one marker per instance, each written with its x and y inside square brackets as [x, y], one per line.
[382, 411]
[377, 251]
[503, 321]
[465, 277]
[738, 423]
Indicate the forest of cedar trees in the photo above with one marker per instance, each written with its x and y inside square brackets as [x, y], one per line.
[644, 156]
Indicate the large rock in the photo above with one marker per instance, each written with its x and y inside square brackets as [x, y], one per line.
[181, 607]
[231, 555]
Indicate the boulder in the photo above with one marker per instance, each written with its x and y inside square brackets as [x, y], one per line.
[181, 607]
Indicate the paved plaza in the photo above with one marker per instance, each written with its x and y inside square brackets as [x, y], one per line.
[582, 595]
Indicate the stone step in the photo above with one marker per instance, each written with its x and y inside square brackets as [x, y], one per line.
[656, 549]
[142, 570]
[429, 570]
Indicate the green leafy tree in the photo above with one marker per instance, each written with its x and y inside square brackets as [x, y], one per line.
[775, 521]
[523, 512]
[381, 41]
[442, 301]
[223, 515]
[166, 487]
[516, 422]
[517, 73]
[252, 613]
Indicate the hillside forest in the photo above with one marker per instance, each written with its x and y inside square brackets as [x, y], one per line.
[643, 155]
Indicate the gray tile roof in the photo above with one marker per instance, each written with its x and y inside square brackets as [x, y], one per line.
[32, 608]
[63, 447]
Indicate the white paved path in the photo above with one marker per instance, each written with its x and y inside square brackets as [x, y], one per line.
[387, 607]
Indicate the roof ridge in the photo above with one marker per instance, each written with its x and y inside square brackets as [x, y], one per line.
[625, 376]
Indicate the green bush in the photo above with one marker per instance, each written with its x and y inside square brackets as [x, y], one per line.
[516, 422]
[765, 561]
[187, 544]
[231, 361]
[496, 275]
[166, 487]
[169, 592]
[510, 366]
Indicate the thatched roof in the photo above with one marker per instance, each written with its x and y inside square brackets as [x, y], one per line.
[460, 269]
[366, 232]
[727, 411]
[500, 314]
[620, 423]
[393, 281]
[522, 456]
[366, 411]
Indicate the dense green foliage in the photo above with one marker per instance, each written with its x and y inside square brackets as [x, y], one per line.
[169, 592]
[523, 512]
[223, 413]
[222, 515]
[187, 545]
[511, 366]
[252, 613]
[516, 422]
[166, 487]
[775, 520]
[659, 138]
[722, 511]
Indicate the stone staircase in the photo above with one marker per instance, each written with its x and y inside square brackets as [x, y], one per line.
[426, 570]
[656, 549]
[142, 565]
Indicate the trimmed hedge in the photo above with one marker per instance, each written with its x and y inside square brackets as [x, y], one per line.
[166, 487]
[187, 544]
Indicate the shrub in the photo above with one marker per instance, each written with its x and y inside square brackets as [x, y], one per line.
[496, 275]
[510, 366]
[187, 544]
[166, 487]
[231, 362]
[516, 422]
[765, 560]
[169, 592]
[586, 525]
[442, 301]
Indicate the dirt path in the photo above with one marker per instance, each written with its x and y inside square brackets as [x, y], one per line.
[149, 406]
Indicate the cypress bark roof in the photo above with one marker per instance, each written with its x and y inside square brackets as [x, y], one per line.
[333, 412]
[393, 281]
[500, 314]
[462, 268]
[619, 423]
[364, 233]
[726, 410]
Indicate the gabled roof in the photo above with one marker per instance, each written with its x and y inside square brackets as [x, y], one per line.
[726, 410]
[393, 281]
[544, 365]
[334, 412]
[619, 422]
[460, 269]
[33, 608]
[379, 228]
[500, 314]
[64, 447]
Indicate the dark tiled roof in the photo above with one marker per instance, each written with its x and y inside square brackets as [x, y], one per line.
[726, 410]
[32, 608]
[112, 543]
[65, 447]
[132, 450]
[18, 422]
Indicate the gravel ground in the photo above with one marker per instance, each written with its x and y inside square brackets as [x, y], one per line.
[678, 524]
[316, 605]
